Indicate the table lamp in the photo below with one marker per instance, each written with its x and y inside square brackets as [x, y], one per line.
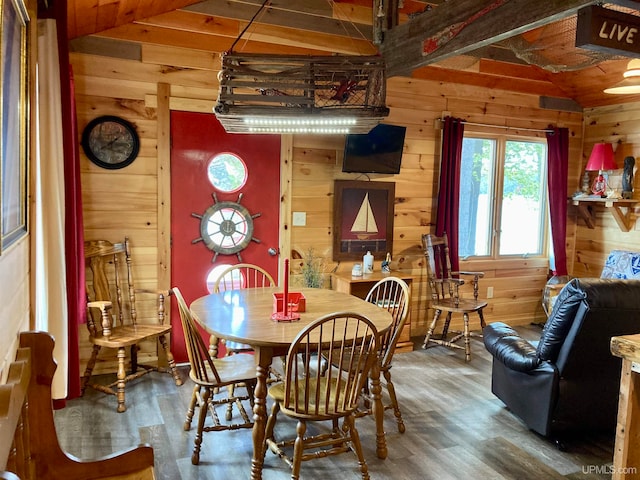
[601, 158]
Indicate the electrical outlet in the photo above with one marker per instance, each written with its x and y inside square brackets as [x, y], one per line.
[489, 292]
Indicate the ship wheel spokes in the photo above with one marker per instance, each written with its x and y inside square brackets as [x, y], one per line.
[226, 228]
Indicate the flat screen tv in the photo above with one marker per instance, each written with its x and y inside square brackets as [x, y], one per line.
[379, 151]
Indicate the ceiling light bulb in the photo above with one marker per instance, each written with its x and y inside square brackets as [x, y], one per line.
[633, 68]
[631, 82]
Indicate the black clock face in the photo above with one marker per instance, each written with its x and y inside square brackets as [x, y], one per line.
[110, 142]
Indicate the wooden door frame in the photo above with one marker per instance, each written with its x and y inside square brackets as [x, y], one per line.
[164, 192]
[163, 113]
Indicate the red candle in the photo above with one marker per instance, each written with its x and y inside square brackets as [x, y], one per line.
[285, 299]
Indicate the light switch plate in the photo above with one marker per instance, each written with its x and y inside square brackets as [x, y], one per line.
[299, 219]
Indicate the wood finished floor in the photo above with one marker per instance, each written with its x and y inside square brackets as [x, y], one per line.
[455, 429]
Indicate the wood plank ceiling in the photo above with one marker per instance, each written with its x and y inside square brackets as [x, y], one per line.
[345, 27]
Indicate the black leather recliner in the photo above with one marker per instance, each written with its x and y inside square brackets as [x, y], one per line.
[568, 380]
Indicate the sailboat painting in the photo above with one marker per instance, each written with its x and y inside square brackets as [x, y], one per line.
[363, 219]
[364, 226]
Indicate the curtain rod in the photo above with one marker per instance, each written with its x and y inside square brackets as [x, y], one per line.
[545, 130]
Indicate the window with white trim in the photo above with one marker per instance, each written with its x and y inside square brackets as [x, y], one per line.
[503, 186]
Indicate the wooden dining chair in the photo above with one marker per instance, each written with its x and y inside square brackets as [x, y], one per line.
[239, 277]
[113, 322]
[209, 375]
[309, 395]
[392, 294]
[445, 294]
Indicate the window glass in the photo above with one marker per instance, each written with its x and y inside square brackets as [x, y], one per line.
[227, 172]
[502, 197]
[523, 193]
[215, 273]
[476, 194]
[228, 227]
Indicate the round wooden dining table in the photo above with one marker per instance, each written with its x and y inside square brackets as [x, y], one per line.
[245, 316]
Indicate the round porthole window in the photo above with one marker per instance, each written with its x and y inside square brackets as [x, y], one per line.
[226, 227]
[227, 172]
[214, 275]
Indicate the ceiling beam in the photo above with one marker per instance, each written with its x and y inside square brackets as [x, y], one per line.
[456, 28]
[635, 4]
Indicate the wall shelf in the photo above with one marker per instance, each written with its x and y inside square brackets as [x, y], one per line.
[625, 219]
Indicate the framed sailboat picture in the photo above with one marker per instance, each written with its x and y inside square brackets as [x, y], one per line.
[362, 219]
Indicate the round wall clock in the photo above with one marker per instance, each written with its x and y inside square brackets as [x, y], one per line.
[110, 142]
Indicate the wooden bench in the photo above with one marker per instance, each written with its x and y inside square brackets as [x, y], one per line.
[29, 447]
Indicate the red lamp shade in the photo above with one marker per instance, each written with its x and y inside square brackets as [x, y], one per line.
[601, 158]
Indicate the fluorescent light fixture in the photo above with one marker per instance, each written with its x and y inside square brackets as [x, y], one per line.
[328, 126]
[300, 129]
[307, 125]
[299, 124]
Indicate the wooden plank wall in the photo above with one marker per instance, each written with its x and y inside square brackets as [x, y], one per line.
[418, 104]
[15, 290]
[16, 281]
[617, 124]
[125, 202]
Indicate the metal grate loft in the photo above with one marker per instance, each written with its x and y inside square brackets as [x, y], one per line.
[261, 93]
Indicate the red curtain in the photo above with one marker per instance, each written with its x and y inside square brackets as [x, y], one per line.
[557, 170]
[449, 193]
[74, 245]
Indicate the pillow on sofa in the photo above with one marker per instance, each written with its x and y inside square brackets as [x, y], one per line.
[622, 264]
[557, 326]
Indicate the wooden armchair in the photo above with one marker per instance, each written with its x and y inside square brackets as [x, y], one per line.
[29, 446]
[445, 294]
[112, 319]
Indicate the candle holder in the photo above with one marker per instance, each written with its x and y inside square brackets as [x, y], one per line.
[291, 311]
[287, 311]
[297, 302]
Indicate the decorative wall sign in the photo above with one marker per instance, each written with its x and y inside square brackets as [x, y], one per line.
[609, 31]
[363, 219]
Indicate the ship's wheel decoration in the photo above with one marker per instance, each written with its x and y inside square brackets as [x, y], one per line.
[226, 228]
